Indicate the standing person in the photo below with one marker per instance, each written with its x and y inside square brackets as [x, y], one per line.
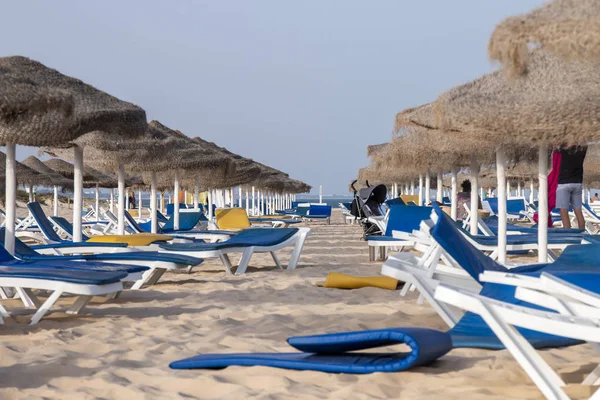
[570, 184]
[463, 198]
[595, 199]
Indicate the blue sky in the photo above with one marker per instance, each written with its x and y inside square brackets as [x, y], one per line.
[303, 86]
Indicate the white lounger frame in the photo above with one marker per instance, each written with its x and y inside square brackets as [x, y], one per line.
[24, 287]
[502, 318]
[297, 240]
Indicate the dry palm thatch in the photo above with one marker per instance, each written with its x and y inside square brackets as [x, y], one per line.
[569, 29]
[54, 178]
[158, 149]
[25, 175]
[555, 102]
[92, 109]
[420, 116]
[91, 176]
[375, 149]
[31, 114]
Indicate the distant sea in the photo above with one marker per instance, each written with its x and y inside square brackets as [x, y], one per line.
[333, 201]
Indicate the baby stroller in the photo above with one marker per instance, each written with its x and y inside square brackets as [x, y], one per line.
[366, 207]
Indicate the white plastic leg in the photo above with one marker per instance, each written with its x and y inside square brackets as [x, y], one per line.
[45, 307]
[276, 260]
[226, 262]
[297, 250]
[78, 305]
[244, 261]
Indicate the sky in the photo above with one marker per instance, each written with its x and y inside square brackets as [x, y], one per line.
[302, 86]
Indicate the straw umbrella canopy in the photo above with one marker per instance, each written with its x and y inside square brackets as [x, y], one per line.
[92, 110]
[569, 29]
[53, 177]
[25, 175]
[159, 149]
[552, 103]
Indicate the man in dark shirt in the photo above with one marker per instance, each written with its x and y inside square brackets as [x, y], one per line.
[570, 184]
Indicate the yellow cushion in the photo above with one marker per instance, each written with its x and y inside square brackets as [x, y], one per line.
[407, 198]
[232, 219]
[342, 281]
[139, 239]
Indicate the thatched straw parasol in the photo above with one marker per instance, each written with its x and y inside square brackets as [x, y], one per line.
[25, 175]
[93, 109]
[37, 114]
[552, 103]
[53, 177]
[569, 29]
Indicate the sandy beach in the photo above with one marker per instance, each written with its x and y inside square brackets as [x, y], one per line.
[120, 349]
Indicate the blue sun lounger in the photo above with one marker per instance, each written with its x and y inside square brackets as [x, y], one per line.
[187, 222]
[247, 242]
[318, 212]
[84, 283]
[401, 218]
[143, 267]
[466, 257]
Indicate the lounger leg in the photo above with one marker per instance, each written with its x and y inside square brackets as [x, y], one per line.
[297, 250]
[189, 269]
[78, 305]
[244, 261]
[276, 260]
[28, 298]
[382, 253]
[149, 277]
[530, 360]
[227, 263]
[4, 293]
[45, 307]
[593, 377]
[371, 253]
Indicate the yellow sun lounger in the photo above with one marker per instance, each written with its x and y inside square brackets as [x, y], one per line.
[337, 280]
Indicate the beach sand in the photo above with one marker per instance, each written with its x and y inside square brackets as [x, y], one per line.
[121, 349]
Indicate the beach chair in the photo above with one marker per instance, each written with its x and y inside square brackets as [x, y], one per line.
[592, 220]
[236, 219]
[578, 321]
[144, 268]
[400, 218]
[318, 212]
[246, 242]
[187, 221]
[26, 277]
[463, 262]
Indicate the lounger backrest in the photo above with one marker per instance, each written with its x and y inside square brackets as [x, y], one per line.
[515, 206]
[587, 207]
[407, 198]
[406, 219]
[295, 204]
[21, 248]
[395, 202]
[232, 219]
[491, 204]
[66, 226]
[171, 207]
[320, 210]
[42, 221]
[302, 210]
[446, 200]
[133, 223]
[472, 260]
[187, 221]
[161, 217]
